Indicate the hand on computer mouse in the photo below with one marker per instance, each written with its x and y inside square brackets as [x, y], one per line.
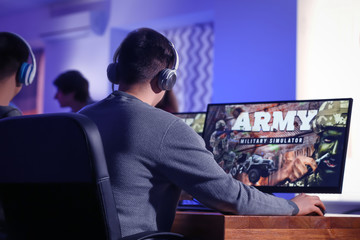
[317, 214]
[309, 205]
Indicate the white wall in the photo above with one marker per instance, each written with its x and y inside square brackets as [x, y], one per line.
[255, 50]
[159, 14]
[328, 66]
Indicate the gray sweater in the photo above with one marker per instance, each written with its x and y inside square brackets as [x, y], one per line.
[9, 111]
[152, 155]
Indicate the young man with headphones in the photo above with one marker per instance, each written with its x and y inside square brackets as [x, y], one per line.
[152, 154]
[15, 71]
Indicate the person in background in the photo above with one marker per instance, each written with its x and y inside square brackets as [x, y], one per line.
[152, 154]
[72, 90]
[15, 71]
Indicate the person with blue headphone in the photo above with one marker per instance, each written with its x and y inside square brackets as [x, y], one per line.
[152, 154]
[15, 71]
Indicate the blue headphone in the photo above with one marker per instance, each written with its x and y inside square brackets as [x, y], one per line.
[167, 76]
[27, 71]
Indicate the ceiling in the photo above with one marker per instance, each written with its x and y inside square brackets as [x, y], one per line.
[8, 7]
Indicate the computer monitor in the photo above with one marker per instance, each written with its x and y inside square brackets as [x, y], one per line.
[195, 120]
[271, 145]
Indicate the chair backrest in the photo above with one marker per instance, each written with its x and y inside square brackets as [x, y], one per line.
[54, 182]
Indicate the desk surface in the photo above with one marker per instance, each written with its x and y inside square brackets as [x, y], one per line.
[216, 226]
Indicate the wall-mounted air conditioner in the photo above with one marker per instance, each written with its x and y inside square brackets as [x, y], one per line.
[73, 19]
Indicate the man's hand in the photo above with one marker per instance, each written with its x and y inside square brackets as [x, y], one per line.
[309, 205]
[299, 167]
[293, 170]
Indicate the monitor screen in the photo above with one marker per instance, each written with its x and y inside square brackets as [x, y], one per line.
[195, 120]
[285, 146]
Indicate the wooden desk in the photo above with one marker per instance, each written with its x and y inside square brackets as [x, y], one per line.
[216, 226]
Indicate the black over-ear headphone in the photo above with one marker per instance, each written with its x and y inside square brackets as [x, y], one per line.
[111, 69]
[167, 76]
[26, 73]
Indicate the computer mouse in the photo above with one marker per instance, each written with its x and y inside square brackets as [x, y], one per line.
[315, 214]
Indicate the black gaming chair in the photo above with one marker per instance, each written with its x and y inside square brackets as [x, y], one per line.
[54, 182]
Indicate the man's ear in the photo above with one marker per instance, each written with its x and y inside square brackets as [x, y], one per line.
[18, 84]
[16, 78]
[154, 85]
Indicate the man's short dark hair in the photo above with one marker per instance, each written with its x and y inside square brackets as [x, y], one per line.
[142, 55]
[13, 52]
[73, 81]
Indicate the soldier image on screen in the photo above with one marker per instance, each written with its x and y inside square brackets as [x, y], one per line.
[330, 125]
[220, 141]
[322, 168]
